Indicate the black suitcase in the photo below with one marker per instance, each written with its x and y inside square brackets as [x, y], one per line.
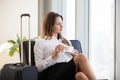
[20, 71]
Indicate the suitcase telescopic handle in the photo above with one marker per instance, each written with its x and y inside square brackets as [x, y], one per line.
[25, 15]
[29, 46]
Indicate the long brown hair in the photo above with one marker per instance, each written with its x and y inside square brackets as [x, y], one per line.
[47, 27]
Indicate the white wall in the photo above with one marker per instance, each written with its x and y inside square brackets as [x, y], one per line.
[10, 11]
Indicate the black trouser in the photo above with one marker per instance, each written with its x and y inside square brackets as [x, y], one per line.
[59, 71]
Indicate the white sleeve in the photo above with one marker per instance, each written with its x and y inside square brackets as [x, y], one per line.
[41, 63]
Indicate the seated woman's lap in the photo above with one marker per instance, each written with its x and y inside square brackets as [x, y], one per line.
[60, 71]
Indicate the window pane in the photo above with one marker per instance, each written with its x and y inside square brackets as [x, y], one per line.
[101, 34]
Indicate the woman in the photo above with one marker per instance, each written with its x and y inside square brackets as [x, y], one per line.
[50, 57]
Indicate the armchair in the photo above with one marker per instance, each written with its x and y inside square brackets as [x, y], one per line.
[75, 43]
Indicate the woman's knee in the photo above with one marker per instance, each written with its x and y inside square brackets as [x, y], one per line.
[80, 57]
[81, 76]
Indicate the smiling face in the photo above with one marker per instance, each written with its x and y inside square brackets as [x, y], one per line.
[58, 25]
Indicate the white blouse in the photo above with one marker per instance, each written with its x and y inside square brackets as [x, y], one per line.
[43, 50]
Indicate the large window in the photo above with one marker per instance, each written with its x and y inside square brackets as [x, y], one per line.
[101, 34]
[70, 19]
